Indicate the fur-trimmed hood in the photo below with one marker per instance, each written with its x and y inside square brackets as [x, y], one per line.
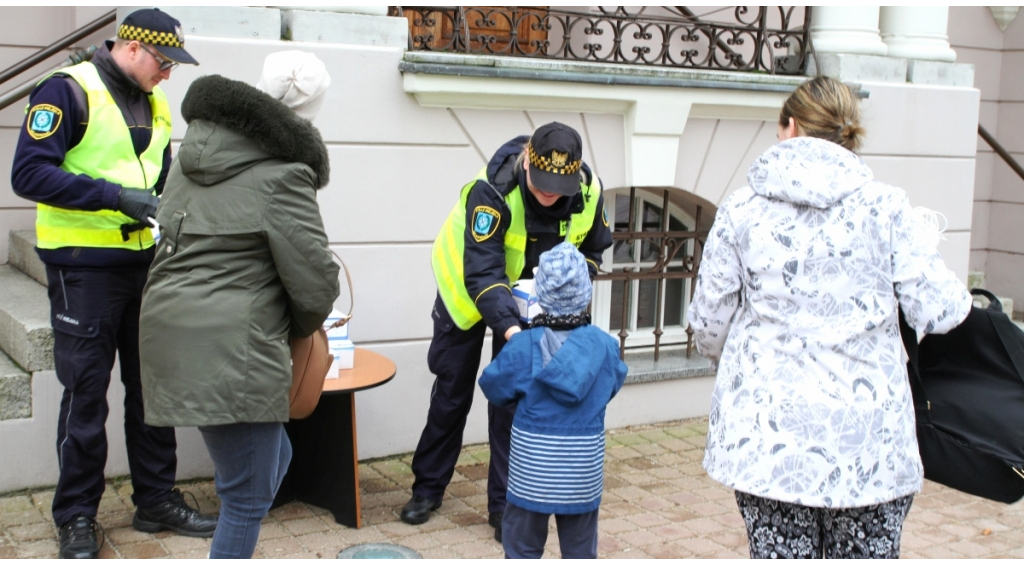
[274, 130]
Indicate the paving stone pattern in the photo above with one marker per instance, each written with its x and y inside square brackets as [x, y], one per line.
[658, 503]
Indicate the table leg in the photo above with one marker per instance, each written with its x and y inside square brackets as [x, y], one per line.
[325, 466]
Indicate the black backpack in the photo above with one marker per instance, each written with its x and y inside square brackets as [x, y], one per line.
[968, 388]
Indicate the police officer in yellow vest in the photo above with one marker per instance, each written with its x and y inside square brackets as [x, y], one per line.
[93, 153]
[533, 194]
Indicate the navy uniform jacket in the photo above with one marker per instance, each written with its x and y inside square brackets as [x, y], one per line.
[37, 176]
[484, 261]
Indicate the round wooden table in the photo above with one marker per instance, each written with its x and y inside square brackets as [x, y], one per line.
[325, 458]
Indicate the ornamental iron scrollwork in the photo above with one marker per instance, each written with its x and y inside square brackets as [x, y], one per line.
[770, 39]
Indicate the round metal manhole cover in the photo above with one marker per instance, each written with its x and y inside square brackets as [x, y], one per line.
[379, 551]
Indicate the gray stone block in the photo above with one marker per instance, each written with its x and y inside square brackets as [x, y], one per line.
[672, 364]
[15, 391]
[347, 29]
[221, 21]
[22, 251]
[858, 68]
[25, 333]
[940, 73]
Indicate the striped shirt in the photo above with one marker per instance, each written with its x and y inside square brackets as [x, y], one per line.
[554, 469]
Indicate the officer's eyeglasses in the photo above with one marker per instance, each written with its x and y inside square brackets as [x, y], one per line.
[165, 64]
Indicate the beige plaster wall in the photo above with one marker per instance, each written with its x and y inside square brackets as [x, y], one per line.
[997, 245]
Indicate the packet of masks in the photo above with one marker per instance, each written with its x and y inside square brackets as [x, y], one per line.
[526, 298]
[339, 345]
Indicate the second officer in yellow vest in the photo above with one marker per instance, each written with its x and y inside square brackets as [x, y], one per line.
[93, 152]
[533, 194]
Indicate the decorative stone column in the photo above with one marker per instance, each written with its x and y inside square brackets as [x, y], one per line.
[916, 32]
[846, 29]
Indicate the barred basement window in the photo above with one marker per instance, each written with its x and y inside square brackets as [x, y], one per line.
[647, 277]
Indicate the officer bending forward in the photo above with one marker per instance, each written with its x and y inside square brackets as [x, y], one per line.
[534, 193]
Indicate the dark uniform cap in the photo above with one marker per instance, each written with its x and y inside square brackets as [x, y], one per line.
[156, 28]
[555, 153]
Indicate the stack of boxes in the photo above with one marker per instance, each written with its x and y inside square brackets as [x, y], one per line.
[339, 345]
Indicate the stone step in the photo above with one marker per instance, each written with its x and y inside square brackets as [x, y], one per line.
[25, 333]
[23, 255]
[15, 390]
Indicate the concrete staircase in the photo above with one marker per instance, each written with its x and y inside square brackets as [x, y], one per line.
[26, 339]
[30, 394]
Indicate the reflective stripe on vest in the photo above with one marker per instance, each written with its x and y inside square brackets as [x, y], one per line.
[106, 152]
[447, 253]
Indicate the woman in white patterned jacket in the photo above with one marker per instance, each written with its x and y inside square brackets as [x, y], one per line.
[812, 421]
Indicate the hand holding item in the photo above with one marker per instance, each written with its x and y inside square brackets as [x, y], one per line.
[511, 331]
[139, 205]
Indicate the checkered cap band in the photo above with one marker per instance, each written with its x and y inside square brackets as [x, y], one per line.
[149, 36]
[544, 163]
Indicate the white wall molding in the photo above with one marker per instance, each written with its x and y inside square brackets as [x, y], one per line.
[655, 116]
[1004, 15]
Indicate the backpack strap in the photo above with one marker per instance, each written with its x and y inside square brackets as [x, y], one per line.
[1006, 330]
[1011, 338]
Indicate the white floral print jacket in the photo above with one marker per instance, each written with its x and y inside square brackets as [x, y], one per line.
[797, 300]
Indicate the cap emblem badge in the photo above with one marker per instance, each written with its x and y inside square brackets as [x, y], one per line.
[558, 159]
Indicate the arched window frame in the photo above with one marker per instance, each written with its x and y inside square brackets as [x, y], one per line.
[676, 250]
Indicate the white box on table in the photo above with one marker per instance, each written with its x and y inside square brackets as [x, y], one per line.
[339, 345]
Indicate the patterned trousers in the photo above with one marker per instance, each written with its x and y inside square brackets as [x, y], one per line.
[777, 529]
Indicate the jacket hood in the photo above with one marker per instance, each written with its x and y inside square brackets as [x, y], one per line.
[808, 171]
[573, 368]
[501, 170]
[271, 129]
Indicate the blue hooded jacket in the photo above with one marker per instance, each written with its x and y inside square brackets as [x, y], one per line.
[562, 380]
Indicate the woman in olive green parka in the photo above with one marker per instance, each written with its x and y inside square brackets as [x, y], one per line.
[242, 264]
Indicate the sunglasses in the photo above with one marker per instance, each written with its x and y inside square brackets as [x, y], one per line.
[164, 63]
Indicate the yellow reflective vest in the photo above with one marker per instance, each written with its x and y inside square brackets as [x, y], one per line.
[106, 152]
[447, 253]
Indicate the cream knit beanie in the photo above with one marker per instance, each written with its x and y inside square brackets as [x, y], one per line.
[296, 78]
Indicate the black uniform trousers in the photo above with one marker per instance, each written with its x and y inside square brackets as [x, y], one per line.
[95, 314]
[454, 358]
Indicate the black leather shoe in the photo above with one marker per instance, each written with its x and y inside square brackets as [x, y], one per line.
[78, 538]
[417, 510]
[175, 515]
[494, 520]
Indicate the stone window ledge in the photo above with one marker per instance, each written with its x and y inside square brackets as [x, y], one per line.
[672, 365]
[458, 64]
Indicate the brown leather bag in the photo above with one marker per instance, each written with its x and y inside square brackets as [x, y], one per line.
[311, 359]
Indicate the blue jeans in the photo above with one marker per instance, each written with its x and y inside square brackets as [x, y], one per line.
[250, 460]
[524, 532]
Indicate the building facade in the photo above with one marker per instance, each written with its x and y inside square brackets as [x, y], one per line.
[408, 122]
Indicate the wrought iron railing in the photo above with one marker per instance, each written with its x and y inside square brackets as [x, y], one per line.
[19, 92]
[1001, 151]
[674, 259]
[772, 39]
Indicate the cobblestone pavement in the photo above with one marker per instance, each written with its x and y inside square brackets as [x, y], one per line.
[658, 503]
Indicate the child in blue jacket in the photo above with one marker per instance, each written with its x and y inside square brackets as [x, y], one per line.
[562, 372]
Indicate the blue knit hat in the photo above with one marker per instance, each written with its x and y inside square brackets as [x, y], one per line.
[562, 281]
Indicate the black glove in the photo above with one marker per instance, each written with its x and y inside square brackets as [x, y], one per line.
[139, 205]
